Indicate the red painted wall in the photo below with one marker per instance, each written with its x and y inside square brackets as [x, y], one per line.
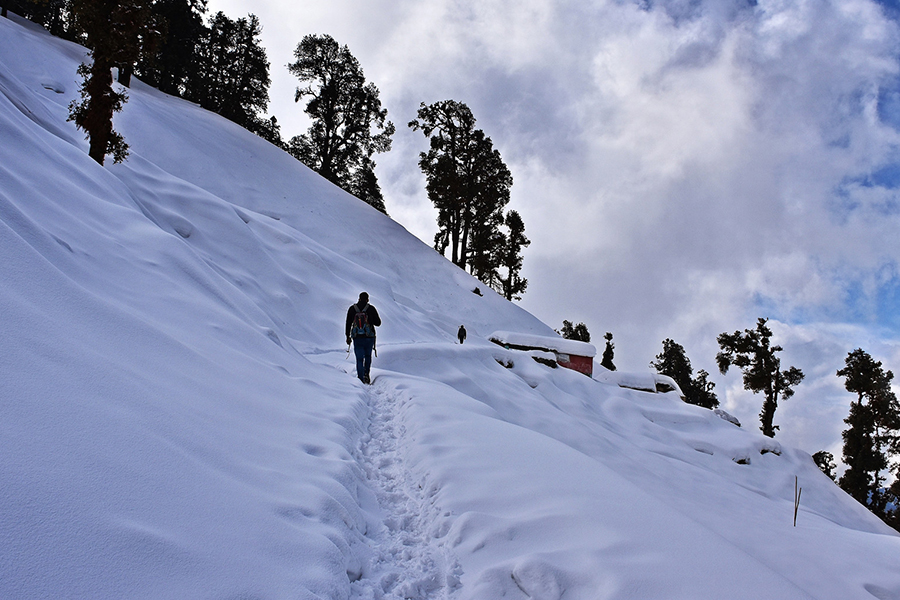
[582, 364]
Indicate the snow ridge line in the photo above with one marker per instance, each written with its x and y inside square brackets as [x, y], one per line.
[408, 560]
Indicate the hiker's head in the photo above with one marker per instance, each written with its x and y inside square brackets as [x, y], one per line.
[363, 298]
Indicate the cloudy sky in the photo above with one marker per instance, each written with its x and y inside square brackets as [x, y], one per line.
[683, 167]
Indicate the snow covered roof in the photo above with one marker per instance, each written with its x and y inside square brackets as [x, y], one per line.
[541, 342]
[648, 382]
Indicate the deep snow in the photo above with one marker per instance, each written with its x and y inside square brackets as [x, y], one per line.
[180, 418]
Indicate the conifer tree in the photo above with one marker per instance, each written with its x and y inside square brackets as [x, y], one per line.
[364, 185]
[469, 184]
[608, 352]
[208, 80]
[575, 332]
[703, 387]
[174, 59]
[50, 14]
[348, 125]
[232, 73]
[270, 130]
[450, 127]
[752, 352]
[513, 285]
[94, 112]
[673, 361]
[825, 461]
[873, 423]
[486, 262]
[487, 249]
[114, 32]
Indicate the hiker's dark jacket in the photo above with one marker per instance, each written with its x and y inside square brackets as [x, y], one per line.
[371, 313]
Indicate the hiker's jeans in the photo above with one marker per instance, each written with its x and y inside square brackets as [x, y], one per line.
[363, 347]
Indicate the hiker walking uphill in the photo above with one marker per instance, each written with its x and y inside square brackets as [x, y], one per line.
[362, 318]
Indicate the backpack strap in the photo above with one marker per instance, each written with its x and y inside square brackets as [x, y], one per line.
[360, 324]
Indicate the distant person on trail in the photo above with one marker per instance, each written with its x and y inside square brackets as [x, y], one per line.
[461, 334]
[362, 318]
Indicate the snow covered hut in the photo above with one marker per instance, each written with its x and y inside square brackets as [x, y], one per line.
[571, 354]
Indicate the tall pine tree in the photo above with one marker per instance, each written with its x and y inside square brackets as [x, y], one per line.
[232, 73]
[174, 59]
[608, 353]
[575, 332]
[873, 423]
[673, 361]
[469, 184]
[448, 164]
[752, 352]
[348, 125]
[825, 461]
[53, 15]
[513, 285]
[484, 242]
[114, 31]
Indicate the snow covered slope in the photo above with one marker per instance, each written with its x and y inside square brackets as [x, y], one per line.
[179, 419]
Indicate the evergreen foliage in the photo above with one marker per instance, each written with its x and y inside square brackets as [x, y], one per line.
[232, 73]
[469, 184]
[673, 361]
[485, 245]
[513, 285]
[174, 60]
[873, 421]
[575, 332]
[270, 130]
[450, 167]
[364, 185]
[115, 32]
[825, 461]
[220, 66]
[93, 113]
[348, 123]
[449, 170]
[751, 351]
[53, 15]
[703, 390]
[608, 352]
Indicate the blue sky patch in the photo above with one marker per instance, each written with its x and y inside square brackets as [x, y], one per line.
[861, 305]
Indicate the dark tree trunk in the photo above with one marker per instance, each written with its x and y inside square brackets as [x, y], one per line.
[98, 121]
[125, 73]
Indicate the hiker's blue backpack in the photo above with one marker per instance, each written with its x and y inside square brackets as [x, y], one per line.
[361, 326]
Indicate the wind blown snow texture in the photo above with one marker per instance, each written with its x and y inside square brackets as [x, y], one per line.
[180, 418]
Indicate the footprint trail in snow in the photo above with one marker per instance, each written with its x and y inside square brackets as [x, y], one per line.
[409, 559]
